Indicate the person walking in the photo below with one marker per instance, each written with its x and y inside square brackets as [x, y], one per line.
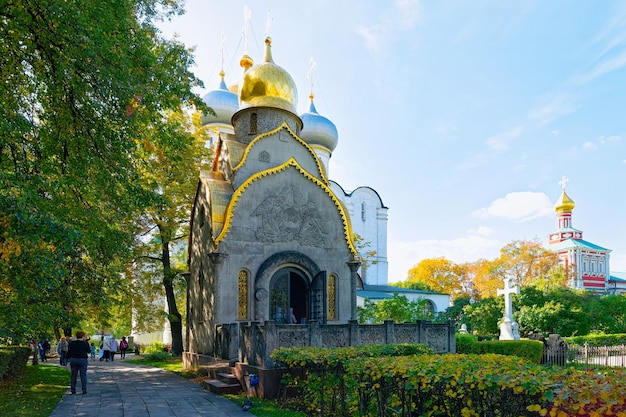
[77, 353]
[106, 346]
[114, 347]
[92, 347]
[62, 351]
[42, 352]
[123, 347]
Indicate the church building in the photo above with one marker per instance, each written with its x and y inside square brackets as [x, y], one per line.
[588, 263]
[272, 239]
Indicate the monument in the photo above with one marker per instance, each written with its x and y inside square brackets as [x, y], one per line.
[509, 329]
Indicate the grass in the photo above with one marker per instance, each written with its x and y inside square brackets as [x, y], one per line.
[36, 393]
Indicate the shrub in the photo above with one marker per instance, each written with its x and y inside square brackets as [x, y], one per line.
[158, 357]
[597, 339]
[13, 362]
[154, 347]
[531, 350]
[464, 341]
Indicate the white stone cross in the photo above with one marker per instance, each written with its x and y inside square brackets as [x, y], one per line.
[563, 182]
[508, 291]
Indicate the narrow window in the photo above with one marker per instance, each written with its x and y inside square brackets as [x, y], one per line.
[243, 295]
[253, 123]
[332, 306]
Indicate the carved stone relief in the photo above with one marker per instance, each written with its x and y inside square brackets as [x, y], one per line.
[437, 339]
[292, 338]
[264, 156]
[287, 216]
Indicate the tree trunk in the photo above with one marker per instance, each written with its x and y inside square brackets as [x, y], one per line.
[175, 318]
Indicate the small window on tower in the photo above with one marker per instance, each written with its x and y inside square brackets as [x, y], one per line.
[363, 211]
[253, 123]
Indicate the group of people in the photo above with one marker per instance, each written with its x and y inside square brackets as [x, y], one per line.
[110, 346]
[76, 352]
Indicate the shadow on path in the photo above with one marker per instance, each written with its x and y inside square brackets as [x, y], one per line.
[122, 389]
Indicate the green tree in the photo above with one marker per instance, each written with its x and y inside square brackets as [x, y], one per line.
[485, 315]
[78, 82]
[398, 308]
[164, 228]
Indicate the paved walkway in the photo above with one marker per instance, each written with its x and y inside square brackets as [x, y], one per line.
[122, 389]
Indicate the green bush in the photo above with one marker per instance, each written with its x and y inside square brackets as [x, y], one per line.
[154, 347]
[158, 357]
[531, 350]
[13, 362]
[464, 341]
[597, 339]
[457, 385]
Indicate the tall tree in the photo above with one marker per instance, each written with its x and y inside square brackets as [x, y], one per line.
[77, 82]
[164, 227]
[441, 275]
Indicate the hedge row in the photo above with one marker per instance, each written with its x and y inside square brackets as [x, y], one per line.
[451, 385]
[531, 350]
[13, 362]
[597, 339]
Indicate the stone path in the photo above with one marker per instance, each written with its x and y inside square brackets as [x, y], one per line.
[122, 389]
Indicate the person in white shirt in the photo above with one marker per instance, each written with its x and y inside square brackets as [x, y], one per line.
[113, 346]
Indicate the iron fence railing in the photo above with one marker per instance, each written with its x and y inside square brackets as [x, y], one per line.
[589, 356]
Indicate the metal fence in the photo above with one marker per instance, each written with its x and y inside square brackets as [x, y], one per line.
[590, 356]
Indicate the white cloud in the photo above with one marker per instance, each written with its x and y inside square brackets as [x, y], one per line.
[403, 256]
[481, 231]
[402, 17]
[553, 107]
[589, 145]
[600, 141]
[500, 142]
[519, 206]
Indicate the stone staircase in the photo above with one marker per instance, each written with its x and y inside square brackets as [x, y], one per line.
[221, 380]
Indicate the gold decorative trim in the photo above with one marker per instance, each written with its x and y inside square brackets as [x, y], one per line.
[284, 125]
[347, 227]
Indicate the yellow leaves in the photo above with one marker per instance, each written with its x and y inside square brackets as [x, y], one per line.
[537, 408]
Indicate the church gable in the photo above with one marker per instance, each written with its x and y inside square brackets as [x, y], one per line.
[273, 149]
[286, 204]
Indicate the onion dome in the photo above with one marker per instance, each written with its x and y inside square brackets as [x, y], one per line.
[564, 204]
[318, 130]
[223, 102]
[268, 85]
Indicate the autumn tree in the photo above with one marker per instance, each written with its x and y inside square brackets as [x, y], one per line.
[440, 275]
[78, 82]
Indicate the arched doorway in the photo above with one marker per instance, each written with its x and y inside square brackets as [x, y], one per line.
[289, 288]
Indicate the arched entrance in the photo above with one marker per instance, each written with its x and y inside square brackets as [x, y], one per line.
[289, 288]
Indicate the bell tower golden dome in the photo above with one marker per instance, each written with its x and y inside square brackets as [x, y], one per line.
[268, 85]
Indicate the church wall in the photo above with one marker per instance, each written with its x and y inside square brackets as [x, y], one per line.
[200, 283]
[272, 151]
[279, 213]
[247, 126]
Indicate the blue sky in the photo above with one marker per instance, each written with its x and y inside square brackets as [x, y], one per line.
[463, 115]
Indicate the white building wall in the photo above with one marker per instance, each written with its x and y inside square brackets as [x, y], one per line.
[369, 220]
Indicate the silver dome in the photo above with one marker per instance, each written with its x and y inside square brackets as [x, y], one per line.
[223, 102]
[317, 129]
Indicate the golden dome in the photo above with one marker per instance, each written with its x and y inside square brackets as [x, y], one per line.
[268, 85]
[564, 204]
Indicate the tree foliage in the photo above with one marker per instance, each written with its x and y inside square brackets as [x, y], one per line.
[163, 229]
[398, 309]
[440, 275]
[78, 81]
